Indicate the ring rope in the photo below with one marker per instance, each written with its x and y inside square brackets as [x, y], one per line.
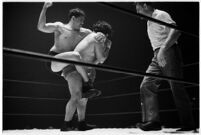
[99, 82]
[191, 64]
[137, 112]
[63, 85]
[104, 97]
[116, 79]
[33, 82]
[102, 114]
[34, 98]
[146, 17]
[136, 93]
[44, 57]
[30, 114]
[128, 77]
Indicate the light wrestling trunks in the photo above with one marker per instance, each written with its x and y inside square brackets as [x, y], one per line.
[67, 70]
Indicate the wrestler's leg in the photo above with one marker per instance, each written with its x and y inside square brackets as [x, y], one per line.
[75, 85]
[83, 72]
[74, 56]
[58, 66]
[81, 109]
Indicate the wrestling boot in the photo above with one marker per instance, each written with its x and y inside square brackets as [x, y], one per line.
[67, 126]
[185, 129]
[83, 126]
[88, 90]
[149, 126]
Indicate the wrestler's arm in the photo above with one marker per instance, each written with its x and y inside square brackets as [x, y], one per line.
[108, 44]
[100, 37]
[92, 74]
[42, 25]
[102, 51]
[85, 30]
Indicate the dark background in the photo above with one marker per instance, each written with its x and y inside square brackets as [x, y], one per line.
[38, 98]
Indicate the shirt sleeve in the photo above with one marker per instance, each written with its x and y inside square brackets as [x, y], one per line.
[165, 17]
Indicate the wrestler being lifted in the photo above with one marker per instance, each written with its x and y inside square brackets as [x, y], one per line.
[89, 50]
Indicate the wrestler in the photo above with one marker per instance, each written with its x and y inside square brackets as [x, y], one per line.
[66, 38]
[89, 50]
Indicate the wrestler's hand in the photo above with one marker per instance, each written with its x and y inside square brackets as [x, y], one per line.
[107, 47]
[161, 57]
[92, 74]
[47, 4]
[100, 37]
[108, 44]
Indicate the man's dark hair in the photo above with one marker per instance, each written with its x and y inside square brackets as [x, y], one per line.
[76, 12]
[104, 27]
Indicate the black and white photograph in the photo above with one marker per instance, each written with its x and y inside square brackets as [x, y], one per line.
[100, 67]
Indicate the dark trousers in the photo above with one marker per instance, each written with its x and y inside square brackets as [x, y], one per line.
[150, 85]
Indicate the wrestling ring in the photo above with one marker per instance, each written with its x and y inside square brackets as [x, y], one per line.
[29, 55]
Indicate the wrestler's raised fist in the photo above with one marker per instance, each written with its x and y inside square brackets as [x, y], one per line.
[48, 4]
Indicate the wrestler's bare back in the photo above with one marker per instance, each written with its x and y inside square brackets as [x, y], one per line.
[66, 40]
[86, 48]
